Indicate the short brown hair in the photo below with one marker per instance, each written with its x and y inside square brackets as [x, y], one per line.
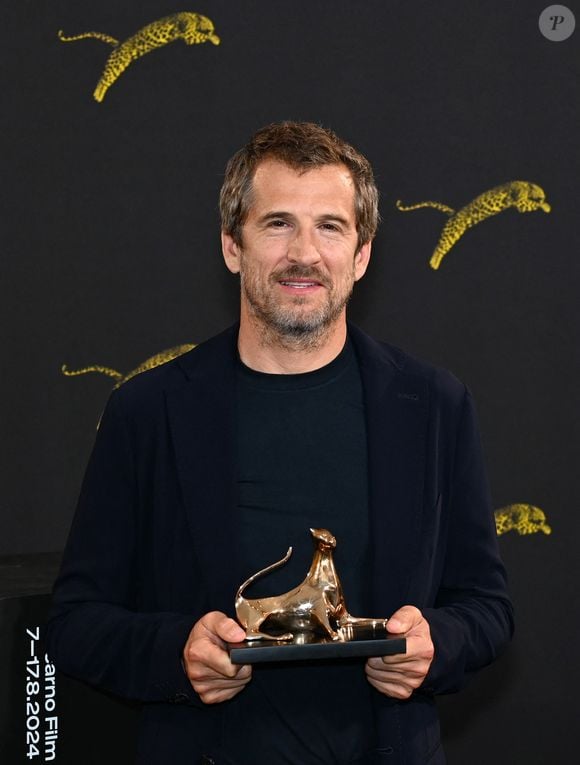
[302, 146]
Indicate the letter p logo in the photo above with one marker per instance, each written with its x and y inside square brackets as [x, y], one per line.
[556, 23]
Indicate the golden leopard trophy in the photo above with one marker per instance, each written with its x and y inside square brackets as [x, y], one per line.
[310, 621]
[316, 605]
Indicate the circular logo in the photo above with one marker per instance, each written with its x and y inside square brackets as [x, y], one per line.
[556, 23]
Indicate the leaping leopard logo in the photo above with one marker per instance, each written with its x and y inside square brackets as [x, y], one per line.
[524, 196]
[192, 28]
[523, 519]
[150, 363]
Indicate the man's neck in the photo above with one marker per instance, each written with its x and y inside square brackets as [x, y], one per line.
[265, 351]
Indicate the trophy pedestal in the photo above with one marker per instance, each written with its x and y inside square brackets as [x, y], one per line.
[309, 646]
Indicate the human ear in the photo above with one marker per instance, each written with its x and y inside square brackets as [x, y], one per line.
[361, 261]
[231, 253]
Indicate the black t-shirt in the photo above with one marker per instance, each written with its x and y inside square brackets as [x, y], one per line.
[302, 462]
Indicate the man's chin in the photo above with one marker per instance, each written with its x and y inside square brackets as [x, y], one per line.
[313, 326]
[299, 329]
[296, 327]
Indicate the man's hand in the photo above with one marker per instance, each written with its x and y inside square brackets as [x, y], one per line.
[206, 662]
[400, 674]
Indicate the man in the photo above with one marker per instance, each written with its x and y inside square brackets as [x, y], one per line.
[205, 469]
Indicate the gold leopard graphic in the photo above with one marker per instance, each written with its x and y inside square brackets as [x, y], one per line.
[150, 363]
[523, 519]
[524, 196]
[189, 27]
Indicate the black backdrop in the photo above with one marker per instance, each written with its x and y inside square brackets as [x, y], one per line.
[110, 254]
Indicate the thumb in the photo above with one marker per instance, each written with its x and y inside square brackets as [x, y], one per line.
[230, 631]
[404, 619]
[217, 625]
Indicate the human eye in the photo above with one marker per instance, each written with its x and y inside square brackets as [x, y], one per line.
[331, 227]
[277, 223]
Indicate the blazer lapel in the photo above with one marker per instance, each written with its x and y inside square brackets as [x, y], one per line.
[396, 415]
[202, 420]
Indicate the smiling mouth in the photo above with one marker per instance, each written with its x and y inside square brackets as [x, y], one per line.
[300, 285]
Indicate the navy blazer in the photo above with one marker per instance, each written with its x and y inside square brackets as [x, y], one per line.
[150, 549]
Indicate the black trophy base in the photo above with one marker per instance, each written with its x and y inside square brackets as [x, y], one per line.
[306, 646]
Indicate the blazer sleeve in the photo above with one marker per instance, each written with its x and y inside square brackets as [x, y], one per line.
[472, 618]
[95, 631]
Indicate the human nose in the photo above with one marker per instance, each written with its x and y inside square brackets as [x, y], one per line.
[302, 249]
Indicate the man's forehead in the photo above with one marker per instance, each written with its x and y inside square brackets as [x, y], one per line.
[275, 180]
[272, 167]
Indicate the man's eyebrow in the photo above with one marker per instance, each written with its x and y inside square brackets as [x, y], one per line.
[333, 217]
[324, 218]
[274, 214]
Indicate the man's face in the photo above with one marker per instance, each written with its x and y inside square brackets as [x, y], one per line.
[298, 260]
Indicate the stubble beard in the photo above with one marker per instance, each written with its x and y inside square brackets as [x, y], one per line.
[287, 326]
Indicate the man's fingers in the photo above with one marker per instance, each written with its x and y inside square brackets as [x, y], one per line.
[399, 675]
[397, 659]
[377, 668]
[413, 667]
[396, 683]
[216, 696]
[212, 689]
[203, 656]
[382, 679]
[207, 679]
[418, 649]
[207, 663]
[394, 690]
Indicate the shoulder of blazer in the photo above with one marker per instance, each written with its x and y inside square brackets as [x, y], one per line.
[210, 360]
[382, 358]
